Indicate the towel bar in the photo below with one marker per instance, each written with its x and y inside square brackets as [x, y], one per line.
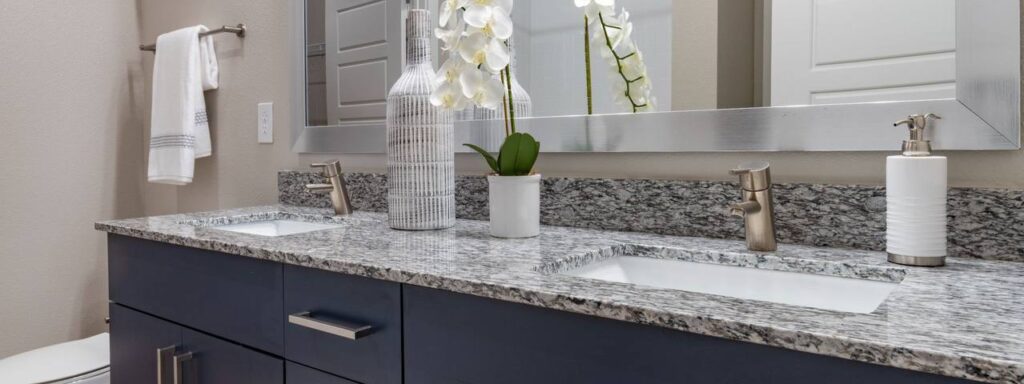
[238, 30]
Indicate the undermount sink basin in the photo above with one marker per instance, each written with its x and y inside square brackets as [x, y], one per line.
[276, 227]
[746, 280]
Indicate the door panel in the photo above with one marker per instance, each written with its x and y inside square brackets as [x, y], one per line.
[848, 51]
[218, 361]
[134, 341]
[363, 57]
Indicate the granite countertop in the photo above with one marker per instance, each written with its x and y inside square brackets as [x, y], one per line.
[964, 320]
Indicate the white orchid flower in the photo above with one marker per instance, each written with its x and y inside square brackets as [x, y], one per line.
[633, 67]
[475, 42]
[624, 32]
[451, 69]
[449, 96]
[480, 50]
[593, 8]
[492, 21]
[482, 88]
[448, 9]
[481, 9]
[639, 93]
[450, 37]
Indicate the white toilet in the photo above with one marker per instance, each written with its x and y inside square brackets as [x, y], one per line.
[85, 361]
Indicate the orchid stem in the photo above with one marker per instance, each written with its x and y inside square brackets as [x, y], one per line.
[504, 106]
[618, 62]
[586, 57]
[511, 106]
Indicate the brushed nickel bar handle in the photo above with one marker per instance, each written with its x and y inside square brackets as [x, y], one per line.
[347, 330]
[179, 361]
[162, 354]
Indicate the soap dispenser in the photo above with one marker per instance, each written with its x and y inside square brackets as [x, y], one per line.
[915, 197]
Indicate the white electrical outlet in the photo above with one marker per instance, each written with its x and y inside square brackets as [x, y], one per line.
[265, 123]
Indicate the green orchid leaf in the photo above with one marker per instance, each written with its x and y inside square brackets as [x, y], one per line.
[528, 152]
[487, 156]
[507, 155]
[518, 155]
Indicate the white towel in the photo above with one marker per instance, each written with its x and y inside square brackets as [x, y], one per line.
[185, 66]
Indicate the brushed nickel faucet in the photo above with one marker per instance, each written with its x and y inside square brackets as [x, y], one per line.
[756, 206]
[331, 171]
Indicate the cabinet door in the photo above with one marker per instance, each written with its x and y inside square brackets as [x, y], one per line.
[298, 374]
[148, 350]
[214, 360]
[455, 338]
[135, 343]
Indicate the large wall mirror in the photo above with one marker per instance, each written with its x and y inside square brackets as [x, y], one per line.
[725, 75]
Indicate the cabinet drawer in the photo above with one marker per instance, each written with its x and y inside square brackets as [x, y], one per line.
[230, 296]
[298, 374]
[346, 325]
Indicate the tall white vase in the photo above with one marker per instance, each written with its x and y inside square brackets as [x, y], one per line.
[420, 140]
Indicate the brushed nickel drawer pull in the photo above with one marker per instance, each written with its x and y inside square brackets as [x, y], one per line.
[179, 362]
[347, 330]
[162, 355]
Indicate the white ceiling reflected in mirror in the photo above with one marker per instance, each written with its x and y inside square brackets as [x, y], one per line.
[736, 75]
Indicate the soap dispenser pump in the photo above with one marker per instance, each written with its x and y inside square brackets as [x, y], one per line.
[916, 185]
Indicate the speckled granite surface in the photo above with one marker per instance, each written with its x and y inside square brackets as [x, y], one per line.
[963, 320]
[983, 223]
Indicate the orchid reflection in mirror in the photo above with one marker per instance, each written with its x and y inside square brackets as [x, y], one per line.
[631, 85]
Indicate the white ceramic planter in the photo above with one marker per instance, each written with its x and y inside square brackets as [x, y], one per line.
[515, 206]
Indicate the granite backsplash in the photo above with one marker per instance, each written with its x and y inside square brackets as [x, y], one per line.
[983, 223]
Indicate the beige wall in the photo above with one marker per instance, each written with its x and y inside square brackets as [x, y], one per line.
[252, 70]
[714, 53]
[694, 55]
[69, 155]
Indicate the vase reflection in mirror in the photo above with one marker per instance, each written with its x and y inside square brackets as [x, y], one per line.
[420, 140]
[492, 138]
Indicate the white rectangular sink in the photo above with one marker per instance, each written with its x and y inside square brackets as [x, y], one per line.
[276, 227]
[793, 288]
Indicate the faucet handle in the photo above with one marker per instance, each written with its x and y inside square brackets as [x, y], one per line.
[744, 208]
[329, 168]
[754, 176]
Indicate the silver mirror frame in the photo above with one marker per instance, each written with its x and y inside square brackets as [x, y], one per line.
[984, 116]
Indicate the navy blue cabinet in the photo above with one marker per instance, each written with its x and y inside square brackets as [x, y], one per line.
[226, 319]
[146, 349]
[454, 338]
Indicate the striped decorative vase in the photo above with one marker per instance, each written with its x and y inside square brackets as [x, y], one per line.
[420, 138]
